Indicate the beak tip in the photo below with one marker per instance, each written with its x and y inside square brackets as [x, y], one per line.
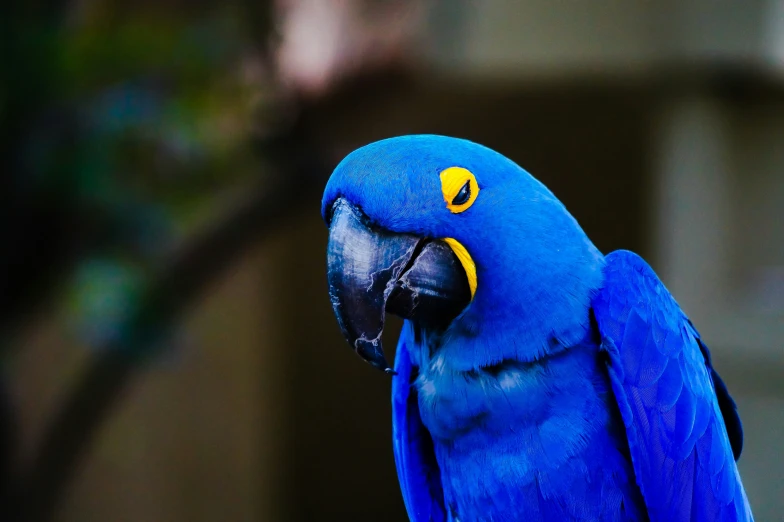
[372, 352]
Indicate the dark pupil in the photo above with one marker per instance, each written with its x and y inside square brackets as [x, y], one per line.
[464, 194]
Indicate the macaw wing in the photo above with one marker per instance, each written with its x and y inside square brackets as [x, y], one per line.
[417, 469]
[681, 423]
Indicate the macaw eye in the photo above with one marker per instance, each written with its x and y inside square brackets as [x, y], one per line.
[459, 187]
[463, 194]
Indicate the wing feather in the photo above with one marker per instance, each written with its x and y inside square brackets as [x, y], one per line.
[417, 469]
[682, 426]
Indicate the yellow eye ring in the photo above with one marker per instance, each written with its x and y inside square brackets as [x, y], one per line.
[459, 187]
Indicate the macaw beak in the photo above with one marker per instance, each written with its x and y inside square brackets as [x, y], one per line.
[372, 271]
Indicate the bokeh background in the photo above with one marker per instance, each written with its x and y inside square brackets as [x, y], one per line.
[168, 348]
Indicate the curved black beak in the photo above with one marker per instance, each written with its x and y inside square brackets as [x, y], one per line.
[371, 271]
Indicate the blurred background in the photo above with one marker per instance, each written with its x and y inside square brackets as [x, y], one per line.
[169, 351]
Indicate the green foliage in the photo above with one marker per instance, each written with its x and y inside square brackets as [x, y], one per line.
[161, 107]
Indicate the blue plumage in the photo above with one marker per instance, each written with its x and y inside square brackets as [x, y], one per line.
[664, 385]
[572, 387]
[535, 444]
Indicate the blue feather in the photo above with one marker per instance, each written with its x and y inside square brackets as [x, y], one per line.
[416, 467]
[571, 388]
[537, 443]
[678, 441]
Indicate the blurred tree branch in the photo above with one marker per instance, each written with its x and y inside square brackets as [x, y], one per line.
[34, 217]
[179, 286]
[45, 229]
[42, 232]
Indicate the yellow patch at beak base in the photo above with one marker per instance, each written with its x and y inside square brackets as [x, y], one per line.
[465, 259]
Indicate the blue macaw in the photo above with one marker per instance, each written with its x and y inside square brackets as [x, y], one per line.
[535, 378]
